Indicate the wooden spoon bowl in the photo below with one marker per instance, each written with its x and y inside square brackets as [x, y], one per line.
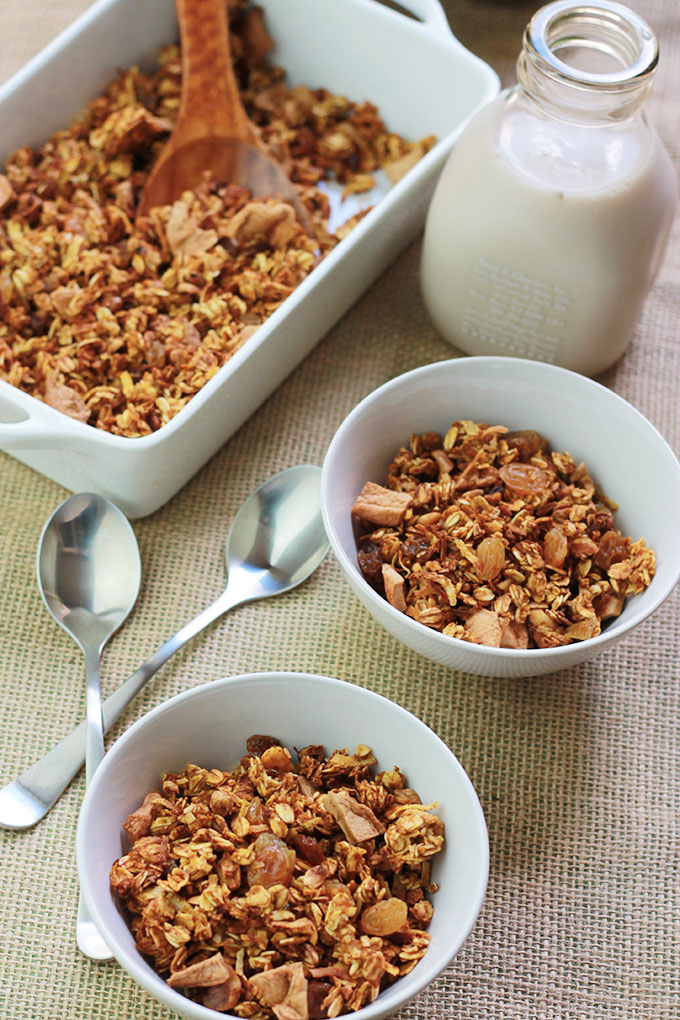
[212, 132]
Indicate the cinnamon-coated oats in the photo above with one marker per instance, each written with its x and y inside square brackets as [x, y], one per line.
[119, 323]
[491, 536]
[281, 889]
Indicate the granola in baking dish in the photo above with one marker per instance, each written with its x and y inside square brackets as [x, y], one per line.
[288, 889]
[490, 536]
[118, 323]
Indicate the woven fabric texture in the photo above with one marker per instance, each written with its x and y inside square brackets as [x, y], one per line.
[578, 773]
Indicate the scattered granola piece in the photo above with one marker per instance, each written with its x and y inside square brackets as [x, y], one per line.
[129, 130]
[356, 820]
[608, 605]
[398, 167]
[514, 635]
[416, 834]
[184, 235]
[484, 627]
[138, 823]
[394, 587]
[65, 399]
[244, 334]
[6, 192]
[276, 758]
[306, 787]
[223, 997]
[271, 221]
[443, 461]
[206, 974]
[379, 505]
[223, 802]
[582, 547]
[285, 990]
[583, 629]
[153, 850]
[68, 302]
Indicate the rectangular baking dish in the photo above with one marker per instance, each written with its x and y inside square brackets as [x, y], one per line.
[423, 82]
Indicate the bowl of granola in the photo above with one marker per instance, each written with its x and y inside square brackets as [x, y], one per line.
[282, 845]
[503, 517]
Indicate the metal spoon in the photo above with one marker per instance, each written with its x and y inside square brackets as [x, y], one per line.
[276, 541]
[89, 575]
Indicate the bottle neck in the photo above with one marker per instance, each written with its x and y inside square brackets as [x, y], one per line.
[591, 63]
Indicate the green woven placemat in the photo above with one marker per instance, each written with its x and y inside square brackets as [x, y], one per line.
[578, 773]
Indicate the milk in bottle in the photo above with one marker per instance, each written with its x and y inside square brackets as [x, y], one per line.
[552, 213]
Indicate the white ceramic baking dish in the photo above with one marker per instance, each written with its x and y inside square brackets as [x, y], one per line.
[423, 82]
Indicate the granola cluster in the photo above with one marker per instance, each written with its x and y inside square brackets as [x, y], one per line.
[118, 322]
[294, 890]
[490, 536]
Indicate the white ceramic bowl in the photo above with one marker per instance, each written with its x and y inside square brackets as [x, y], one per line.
[625, 454]
[209, 725]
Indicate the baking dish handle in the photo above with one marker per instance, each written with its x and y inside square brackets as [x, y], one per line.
[430, 12]
[37, 427]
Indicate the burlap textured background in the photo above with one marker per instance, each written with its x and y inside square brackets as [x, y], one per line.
[578, 773]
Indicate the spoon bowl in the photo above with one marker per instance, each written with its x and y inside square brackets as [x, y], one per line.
[278, 537]
[88, 566]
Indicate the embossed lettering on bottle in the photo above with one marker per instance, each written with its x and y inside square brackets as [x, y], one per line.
[519, 314]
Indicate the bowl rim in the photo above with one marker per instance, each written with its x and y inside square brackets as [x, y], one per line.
[445, 642]
[133, 962]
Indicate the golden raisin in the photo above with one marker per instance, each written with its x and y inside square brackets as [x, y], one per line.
[523, 478]
[491, 556]
[256, 813]
[273, 864]
[555, 547]
[384, 917]
[613, 548]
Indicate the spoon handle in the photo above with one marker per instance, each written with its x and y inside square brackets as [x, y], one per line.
[210, 104]
[94, 741]
[27, 799]
[89, 940]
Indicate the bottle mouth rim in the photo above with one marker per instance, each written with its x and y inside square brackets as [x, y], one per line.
[555, 26]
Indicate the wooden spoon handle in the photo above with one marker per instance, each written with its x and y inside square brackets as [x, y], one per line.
[211, 104]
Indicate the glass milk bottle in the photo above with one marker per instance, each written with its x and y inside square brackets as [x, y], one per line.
[553, 210]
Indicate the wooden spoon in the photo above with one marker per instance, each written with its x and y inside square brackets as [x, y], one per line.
[212, 131]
